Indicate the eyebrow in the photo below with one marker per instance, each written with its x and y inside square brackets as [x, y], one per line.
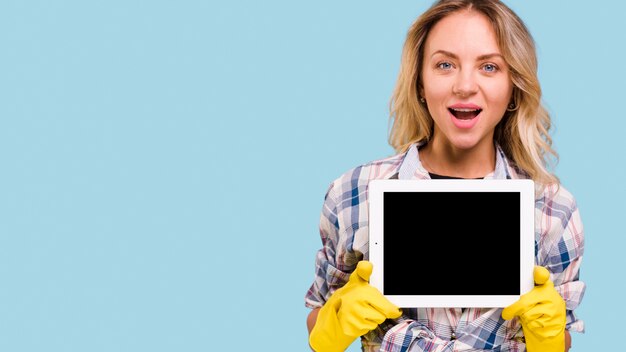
[454, 56]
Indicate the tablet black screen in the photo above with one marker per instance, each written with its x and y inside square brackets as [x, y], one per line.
[451, 243]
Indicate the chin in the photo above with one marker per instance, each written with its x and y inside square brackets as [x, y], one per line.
[464, 144]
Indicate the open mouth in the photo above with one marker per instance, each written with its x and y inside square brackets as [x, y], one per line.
[464, 114]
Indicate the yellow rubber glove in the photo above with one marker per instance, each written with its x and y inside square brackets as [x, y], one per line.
[542, 314]
[351, 311]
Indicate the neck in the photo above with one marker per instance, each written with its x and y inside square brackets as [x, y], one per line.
[444, 159]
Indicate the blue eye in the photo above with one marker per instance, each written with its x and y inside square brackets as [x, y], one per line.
[444, 65]
[490, 68]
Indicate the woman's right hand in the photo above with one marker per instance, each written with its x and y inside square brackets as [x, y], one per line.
[351, 311]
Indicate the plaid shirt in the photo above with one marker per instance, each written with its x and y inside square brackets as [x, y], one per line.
[344, 232]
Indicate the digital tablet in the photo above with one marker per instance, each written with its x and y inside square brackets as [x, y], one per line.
[451, 242]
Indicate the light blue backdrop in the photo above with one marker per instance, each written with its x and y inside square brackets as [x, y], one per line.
[163, 163]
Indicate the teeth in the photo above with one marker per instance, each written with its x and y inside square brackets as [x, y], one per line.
[465, 110]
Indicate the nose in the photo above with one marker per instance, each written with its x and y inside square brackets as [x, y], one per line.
[465, 84]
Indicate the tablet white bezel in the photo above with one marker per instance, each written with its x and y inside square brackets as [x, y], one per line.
[526, 189]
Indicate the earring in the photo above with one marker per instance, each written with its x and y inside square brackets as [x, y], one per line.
[422, 100]
[512, 107]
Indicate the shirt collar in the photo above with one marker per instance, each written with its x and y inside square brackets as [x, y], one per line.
[412, 168]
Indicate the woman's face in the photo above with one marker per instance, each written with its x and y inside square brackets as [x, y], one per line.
[465, 80]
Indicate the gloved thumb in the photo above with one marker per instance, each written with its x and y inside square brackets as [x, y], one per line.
[362, 272]
[541, 275]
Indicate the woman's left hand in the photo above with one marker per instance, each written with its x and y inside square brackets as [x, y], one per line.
[542, 314]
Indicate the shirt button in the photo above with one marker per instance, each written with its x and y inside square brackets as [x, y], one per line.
[453, 336]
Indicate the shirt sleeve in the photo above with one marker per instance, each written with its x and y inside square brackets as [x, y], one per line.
[560, 250]
[328, 278]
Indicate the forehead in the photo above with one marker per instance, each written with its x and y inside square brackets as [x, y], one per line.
[463, 32]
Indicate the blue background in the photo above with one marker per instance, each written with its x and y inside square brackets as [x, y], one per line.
[164, 162]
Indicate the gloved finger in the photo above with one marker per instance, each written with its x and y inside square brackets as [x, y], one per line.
[361, 275]
[521, 306]
[546, 327]
[541, 275]
[355, 330]
[374, 316]
[355, 325]
[380, 303]
[535, 325]
[533, 314]
[364, 270]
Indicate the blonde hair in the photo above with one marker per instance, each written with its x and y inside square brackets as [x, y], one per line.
[523, 133]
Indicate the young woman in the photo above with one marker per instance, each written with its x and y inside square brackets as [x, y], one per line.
[467, 104]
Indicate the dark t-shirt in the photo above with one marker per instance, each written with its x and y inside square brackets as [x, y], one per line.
[442, 177]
